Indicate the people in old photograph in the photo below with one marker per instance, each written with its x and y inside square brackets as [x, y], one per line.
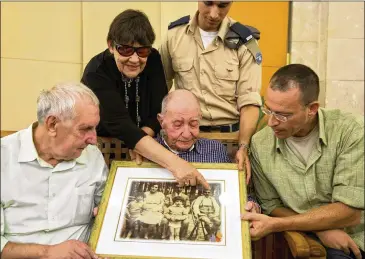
[152, 212]
[178, 191]
[133, 213]
[207, 210]
[166, 211]
[175, 214]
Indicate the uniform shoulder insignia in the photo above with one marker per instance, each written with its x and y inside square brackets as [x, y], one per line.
[180, 21]
[239, 34]
[243, 31]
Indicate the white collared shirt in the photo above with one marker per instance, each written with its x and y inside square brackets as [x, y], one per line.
[44, 204]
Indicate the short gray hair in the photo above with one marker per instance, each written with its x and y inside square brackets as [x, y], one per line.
[60, 100]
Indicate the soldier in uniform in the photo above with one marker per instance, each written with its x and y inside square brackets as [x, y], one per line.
[207, 210]
[218, 59]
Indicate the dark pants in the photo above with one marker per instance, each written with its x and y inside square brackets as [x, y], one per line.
[339, 254]
[336, 253]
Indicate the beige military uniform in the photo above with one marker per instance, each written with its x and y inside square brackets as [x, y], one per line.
[223, 79]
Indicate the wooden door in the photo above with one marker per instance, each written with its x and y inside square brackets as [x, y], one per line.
[272, 20]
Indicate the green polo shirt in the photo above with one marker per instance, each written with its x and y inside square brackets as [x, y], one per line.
[334, 171]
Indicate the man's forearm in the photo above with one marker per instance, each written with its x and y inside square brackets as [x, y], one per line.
[248, 120]
[283, 212]
[331, 216]
[24, 251]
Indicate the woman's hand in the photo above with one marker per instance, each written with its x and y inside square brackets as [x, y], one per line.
[135, 157]
[186, 174]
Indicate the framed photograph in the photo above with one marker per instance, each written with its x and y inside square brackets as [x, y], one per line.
[145, 214]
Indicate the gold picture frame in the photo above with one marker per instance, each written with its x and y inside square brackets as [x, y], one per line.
[117, 168]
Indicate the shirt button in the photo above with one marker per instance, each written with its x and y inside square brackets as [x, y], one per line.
[53, 195]
[202, 72]
[204, 91]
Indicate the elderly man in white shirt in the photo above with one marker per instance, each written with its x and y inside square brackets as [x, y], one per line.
[53, 177]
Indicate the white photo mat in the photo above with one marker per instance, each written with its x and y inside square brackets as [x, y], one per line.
[108, 225]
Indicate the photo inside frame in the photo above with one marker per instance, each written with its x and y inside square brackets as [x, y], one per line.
[144, 214]
[162, 211]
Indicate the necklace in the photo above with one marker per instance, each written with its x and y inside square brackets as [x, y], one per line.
[127, 85]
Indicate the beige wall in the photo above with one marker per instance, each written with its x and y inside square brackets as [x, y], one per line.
[329, 37]
[46, 43]
[40, 45]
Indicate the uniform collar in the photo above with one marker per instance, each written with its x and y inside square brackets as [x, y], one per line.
[28, 151]
[223, 29]
[322, 132]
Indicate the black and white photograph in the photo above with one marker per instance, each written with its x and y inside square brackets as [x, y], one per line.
[164, 211]
[145, 213]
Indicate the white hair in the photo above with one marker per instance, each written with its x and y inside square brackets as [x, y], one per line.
[166, 100]
[61, 99]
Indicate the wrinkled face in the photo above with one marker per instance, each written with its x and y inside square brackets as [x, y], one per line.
[154, 188]
[72, 136]
[181, 126]
[130, 66]
[289, 105]
[212, 13]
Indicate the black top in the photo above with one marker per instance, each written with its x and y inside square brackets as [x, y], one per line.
[103, 77]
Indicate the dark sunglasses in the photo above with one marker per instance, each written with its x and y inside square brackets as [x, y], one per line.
[127, 51]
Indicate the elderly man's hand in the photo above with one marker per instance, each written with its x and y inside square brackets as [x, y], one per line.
[186, 174]
[260, 224]
[70, 249]
[243, 162]
[339, 239]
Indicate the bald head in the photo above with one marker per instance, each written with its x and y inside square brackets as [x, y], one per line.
[179, 118]
[180, 99]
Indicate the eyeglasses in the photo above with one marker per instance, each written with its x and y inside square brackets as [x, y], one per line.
[127, 51]
[279, 117]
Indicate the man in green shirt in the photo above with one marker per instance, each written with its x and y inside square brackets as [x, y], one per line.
[308, 166]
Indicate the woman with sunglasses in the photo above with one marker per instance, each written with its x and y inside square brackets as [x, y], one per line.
[129, 81]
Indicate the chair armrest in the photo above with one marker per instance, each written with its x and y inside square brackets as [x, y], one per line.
[298, 244]
[316, 248]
